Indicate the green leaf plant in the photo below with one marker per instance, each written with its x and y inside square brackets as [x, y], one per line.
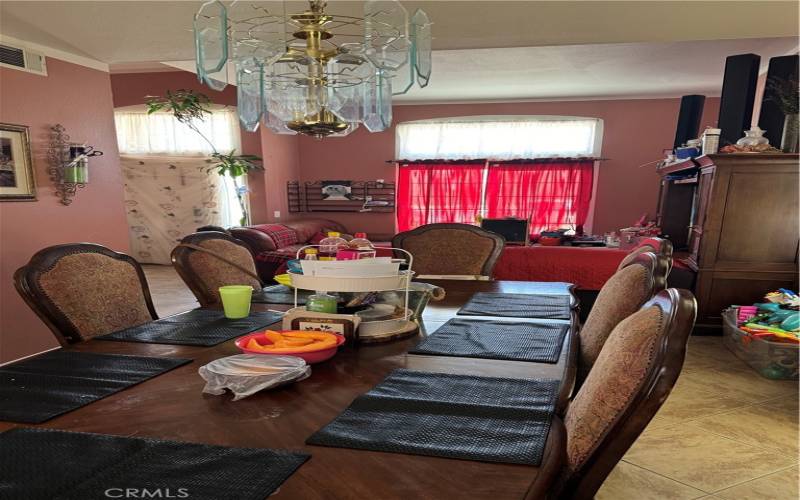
[190, 108]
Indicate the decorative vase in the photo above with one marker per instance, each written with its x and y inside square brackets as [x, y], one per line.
[791, 130]
[753, 137]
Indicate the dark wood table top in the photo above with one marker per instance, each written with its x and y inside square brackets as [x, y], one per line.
[172, 406]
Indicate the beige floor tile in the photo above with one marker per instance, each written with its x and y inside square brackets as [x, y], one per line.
[701, 459]
[710, 352]
[758, 425]
[781, 485]
[735, 383]
[684, 405]
[629, 482]
[170, 293]
[789, 404]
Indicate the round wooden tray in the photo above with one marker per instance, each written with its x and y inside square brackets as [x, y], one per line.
[409, 329]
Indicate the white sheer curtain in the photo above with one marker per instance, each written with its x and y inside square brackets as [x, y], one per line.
[499, 138]
[160, 135]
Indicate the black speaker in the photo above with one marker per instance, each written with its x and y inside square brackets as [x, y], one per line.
[771, 117]
[689, 118]
[738, 97]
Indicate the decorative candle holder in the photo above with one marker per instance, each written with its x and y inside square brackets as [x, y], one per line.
[69, 163]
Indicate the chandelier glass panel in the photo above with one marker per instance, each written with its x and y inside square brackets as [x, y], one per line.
[313, 73]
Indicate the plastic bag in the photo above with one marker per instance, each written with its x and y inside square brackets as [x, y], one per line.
[246, 374]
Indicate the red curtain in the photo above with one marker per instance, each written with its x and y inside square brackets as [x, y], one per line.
[429, 193]
[553, 195]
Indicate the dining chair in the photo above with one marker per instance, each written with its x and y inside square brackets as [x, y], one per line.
[658, 246]
[451, 251]
[622, 295]
[82, 290]
[632, 377]
[210, 259]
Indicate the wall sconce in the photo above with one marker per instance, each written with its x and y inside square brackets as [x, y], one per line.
[69, 163]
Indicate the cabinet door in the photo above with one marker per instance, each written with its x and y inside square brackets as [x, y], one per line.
[700, 209]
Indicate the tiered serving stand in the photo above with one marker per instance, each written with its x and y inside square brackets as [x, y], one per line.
[394, 328]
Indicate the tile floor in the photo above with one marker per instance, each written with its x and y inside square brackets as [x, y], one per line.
[723, 433]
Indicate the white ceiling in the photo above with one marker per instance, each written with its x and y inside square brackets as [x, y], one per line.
[483, 50]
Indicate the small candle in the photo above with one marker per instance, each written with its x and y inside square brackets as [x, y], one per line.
[71, 174]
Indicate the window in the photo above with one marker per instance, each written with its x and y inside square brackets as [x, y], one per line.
[429, 193]
[527, 167]
[552, 195]
[499, 138]
[160, 134]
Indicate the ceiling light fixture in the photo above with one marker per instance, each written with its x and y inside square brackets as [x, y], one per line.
[313, 73]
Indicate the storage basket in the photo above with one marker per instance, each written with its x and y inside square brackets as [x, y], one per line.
[773, 360]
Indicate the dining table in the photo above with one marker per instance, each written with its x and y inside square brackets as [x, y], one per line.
[172, 406]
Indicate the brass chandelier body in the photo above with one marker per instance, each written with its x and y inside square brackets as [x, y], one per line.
[313, 73]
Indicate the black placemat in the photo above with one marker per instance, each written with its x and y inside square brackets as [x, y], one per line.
[518, 305]
[444, 415]
[37, 389]
[46, 464]
[490, 339]
[201, 327]
[280, 294]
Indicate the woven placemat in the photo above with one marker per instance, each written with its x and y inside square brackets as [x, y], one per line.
[46, 464]
[280, 294]
[444, 415]
[200, 327]
[518, 305]
[37, 389]
[490, 339]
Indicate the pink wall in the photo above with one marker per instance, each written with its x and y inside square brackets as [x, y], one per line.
[281, 164]
[635, 132]
[79, 98]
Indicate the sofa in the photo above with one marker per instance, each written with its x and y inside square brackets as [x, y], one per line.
[273, 245]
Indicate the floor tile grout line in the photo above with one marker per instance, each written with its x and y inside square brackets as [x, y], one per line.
[729, 486]
[755, 478]
[737, 440]
[666, 477]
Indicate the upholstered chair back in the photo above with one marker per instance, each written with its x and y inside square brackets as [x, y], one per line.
[83, 290]
[622, 295]
[658, 246]
[457, 250]
[633, 375]
[216, 260]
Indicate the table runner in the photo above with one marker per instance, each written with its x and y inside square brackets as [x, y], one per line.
[45, 464]
[200, 327]
[453, 416]
[490, 339]
[518, 305]
[37, 389]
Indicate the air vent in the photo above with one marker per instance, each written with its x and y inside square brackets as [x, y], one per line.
[22, 59]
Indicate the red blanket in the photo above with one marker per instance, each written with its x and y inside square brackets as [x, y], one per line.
[588, 268]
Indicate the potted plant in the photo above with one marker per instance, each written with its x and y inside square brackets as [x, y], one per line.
[190, 107]
[786, 95]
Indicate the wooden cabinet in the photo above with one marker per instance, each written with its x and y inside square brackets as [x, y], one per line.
[743, 229]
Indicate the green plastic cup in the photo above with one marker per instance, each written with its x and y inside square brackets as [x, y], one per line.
[236, 300]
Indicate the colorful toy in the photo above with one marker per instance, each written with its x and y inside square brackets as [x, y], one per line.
[777, 320]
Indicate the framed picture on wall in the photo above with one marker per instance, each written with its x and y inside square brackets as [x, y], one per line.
[16, 167]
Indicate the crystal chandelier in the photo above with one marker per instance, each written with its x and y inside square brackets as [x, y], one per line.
[313, 73]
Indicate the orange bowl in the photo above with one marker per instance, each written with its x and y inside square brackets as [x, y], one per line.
[311, 357]
[549, 241]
